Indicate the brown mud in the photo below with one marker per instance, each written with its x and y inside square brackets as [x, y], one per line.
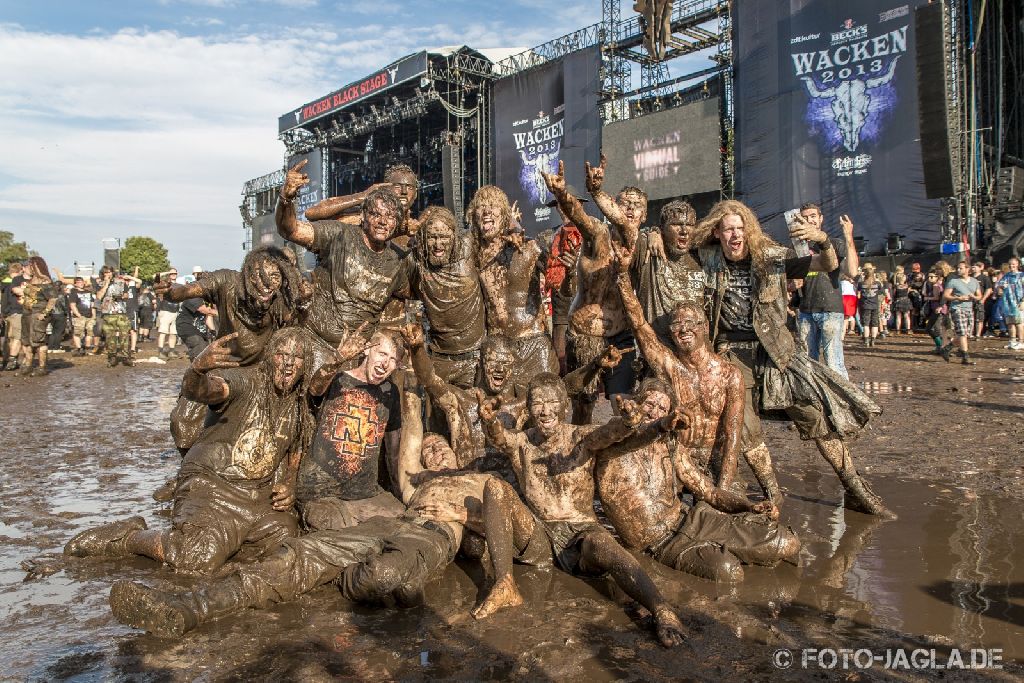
[89, 444]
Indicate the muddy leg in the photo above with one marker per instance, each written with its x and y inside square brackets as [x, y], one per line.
[760, 461]
[859, 496]
[149, 543]
[600, 551]
[582, 410]
[508, 524]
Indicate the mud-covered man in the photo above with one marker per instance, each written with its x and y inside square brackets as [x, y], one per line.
[596, 319]
[358, 271]
[511, 270]
[558, 520]
[226, 495]
[400, 179]
[382, 558]
[358, 414]
[746, 273]
[444, 277]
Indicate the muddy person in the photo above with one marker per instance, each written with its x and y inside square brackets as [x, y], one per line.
[962, 292]
[747, 274]
[358, 271]
[557, 520]
[444, 277]
[382, 558]
[10, 311]
[400, 179]
[358, 413]
[39, 295]
[596, 319]
[226, 496]
[511, 270]
[112, 296]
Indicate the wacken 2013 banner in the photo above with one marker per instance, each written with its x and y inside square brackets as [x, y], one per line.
[542, 116]
[826, 112]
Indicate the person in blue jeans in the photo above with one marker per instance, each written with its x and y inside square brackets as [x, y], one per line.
[821, 317]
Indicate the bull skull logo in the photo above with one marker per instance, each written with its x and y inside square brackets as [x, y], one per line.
[850, 101]
[531, 176]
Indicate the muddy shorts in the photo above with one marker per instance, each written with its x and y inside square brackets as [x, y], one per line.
[12, 325]
[457, 369]
[213, 518]
[869, 317]
[331, 513]
[963, 321]
[561, 542]
[581, 349]
[707, 540]
[33, 330]
[533, 355]
[81, 327]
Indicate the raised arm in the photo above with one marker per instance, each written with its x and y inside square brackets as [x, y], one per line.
[577, 380]
[410, 445]
[730, 426]
[605, 202]
[852, 257]
[351, 346]
[826, 260]
[590, 228]
[505, 440]
[179, 293]
[201, 387]
[288, 224]
[650, 346]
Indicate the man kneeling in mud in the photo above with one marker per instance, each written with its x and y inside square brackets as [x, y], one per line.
[558, 518]
[226, 496]
[383, 558]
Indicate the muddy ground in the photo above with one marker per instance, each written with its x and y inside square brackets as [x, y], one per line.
[89, 444]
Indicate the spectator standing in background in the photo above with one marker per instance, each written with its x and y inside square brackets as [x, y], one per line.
[11, 305]
[961, 291]
[919, 289]
[166, 321]
[81, 306]
[902, 304]
[870, 293]
[38, 298]
[147, 312]
[1011, 297]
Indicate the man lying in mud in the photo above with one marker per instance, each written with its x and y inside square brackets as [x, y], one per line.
[596, 319]
[358, 413]
[381, 559]
[358, 271]
[557, 519]
[226, 496]
[444, 277]
[511, 270]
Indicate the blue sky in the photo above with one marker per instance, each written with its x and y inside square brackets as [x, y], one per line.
[144, 117]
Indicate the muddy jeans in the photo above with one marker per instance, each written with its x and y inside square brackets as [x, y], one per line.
[533, 355]
[367, 562]
[115, 333]
[212, 518]
[823, 333]
[332, 513]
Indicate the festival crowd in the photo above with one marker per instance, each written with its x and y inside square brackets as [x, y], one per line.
[417, 398]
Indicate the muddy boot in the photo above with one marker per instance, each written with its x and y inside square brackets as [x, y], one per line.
[111, 361]
[165, 493]
[966, 360]
[129, 360]
[107, 540]
[946, 351]
[859, 497]
[170, 614]
[760, 462]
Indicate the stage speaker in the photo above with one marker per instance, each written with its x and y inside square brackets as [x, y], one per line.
[1000, 253]
[1010, 184]
[451, 172]
[936, 115]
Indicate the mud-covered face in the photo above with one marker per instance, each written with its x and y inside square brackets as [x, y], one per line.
[677, 237]
[547, 410]
[286, 365]
[440, 242]
[437, 455]
[634, 207]
[380, 224]
[497, 369]
[264, 283]
[655, 405]
[732, 236]
[689, 330]
[812, 216]
[381, 360]
[489, 218]
[405, 186]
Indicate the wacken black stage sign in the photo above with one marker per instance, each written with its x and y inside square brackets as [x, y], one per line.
[542, 116]
[397, 72]
[826, 111]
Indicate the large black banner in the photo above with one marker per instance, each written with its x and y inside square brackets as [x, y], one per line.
[826, 111]
[312, 192]
[542, 116]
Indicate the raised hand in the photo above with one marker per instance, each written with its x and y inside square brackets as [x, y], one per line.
[595, 175]
[629, 410]
[412, 332]
[556, 181]
[655, 245]
[294, 180]
[217, 355]
[352, 343]
[677, 419]
[766, 507]
[488, 407]
[622, 257]
[802, 230]
[847, 225]
[570, 257]
[611, 357]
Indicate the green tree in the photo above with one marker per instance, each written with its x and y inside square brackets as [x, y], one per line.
[10, 251]
[146, 253]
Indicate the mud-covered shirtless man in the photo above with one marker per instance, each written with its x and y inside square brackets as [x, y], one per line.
[226, 495]
[358, 271]
[558, 519]
[596, 319]
[379, 559]
[511, 270]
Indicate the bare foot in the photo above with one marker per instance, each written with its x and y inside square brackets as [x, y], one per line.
[504, 594]
[668, 627]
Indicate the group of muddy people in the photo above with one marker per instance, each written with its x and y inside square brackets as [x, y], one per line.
[416, 399]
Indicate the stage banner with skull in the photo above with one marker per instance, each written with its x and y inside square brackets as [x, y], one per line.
[541, 116]
[826, 112]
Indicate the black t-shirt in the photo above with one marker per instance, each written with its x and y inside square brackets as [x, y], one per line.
[83, 300]
[9, 301]
[190, 322]
[985, 282]
[343, 459]
[736, 320]
[166, 304]
[821, 291]
[870, 295]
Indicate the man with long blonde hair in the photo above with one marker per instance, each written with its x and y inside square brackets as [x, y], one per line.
[746, 274]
